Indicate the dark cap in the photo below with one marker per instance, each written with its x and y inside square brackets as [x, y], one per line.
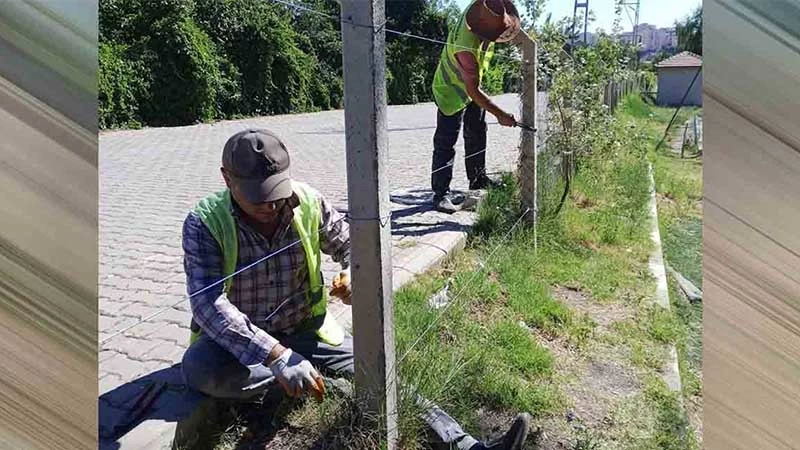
[258, 162]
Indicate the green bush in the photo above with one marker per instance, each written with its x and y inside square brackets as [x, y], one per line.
[274, 75]
[176, 77]
[119, 88]
[185, 74]
[411, 63]
[178, 62]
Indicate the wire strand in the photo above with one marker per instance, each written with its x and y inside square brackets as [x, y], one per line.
[216, 283]
[463, 289]
[382, 27]
[267, 257]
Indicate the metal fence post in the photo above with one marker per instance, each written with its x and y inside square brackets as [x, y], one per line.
[683, 141]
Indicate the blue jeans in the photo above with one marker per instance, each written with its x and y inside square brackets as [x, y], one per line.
[212, 370]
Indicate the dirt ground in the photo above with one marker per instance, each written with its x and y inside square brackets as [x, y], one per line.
[597, 382]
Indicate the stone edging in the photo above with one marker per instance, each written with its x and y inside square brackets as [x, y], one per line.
[670, 372]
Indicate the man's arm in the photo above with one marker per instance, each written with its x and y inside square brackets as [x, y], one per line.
[335, 234]
[468, 66]
[212, 310]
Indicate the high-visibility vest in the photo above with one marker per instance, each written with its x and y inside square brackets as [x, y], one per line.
[215, 213]
[449, 89]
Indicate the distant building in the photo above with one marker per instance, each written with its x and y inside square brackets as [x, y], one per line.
[651, 39]
[675, 75]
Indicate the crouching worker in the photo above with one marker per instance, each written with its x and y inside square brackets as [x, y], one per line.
[267, 326]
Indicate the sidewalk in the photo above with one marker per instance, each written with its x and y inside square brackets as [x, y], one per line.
[149, 179]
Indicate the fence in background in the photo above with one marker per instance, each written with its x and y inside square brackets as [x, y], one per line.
[616, 90]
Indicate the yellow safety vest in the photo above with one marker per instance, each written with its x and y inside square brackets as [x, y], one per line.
[215, 213]
[449, 89]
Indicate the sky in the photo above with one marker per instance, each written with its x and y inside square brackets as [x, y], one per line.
[661, 13]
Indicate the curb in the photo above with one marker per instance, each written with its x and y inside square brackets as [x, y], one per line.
[429, 252]
[671, 373]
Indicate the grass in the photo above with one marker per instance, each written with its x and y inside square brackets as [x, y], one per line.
[486, 350]
[679, 185]
[599, 246]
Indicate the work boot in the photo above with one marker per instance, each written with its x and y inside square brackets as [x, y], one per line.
[513, 439]
[444, 204]
[482, 182]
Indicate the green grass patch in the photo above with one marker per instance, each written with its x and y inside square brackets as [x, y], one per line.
[679, 184]
[484, 349]
[672, 427]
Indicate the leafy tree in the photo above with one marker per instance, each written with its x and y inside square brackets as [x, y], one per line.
[177, 77]
[322, 38]
[119, 88]
[177, 62]
[690, 32]
[274, 75]
[411, 63]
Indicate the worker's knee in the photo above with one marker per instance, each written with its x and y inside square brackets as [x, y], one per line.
[213, 371]
[339, 360]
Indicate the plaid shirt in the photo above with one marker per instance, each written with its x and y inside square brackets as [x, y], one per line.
[238, 321]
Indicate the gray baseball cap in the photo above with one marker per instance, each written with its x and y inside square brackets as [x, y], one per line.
[258, 162]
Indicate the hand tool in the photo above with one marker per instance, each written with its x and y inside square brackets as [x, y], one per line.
[526, 127]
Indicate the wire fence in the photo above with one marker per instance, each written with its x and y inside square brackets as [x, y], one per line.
[554, 173]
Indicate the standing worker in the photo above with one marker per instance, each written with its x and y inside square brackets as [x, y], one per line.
[456, 89]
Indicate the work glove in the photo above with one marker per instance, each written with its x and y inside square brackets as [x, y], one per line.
[341, 287]
[296, 375]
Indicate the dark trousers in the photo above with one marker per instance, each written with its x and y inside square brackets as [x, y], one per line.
[214, 371]
[444, 142]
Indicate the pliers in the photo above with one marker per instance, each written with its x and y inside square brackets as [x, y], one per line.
[525, 127]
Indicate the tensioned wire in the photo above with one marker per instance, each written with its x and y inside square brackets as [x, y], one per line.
[277, 252]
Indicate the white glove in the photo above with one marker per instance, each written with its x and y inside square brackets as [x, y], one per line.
[296, 375]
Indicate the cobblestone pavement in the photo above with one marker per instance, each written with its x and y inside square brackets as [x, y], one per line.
[150, 178]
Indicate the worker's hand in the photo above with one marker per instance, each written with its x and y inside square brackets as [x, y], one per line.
[506, 120]
[296, 375]
[341, 287]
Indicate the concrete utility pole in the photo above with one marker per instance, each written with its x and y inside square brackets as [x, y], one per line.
[528, 162]
[364, 61]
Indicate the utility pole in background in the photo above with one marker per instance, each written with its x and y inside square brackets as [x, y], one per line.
[585, 6]
[364, 62]
[632, 6]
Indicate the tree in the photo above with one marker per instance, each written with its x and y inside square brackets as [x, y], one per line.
[690, 32]
[177, 62]
[411, 63]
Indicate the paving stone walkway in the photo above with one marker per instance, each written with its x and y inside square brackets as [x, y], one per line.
[150, 178]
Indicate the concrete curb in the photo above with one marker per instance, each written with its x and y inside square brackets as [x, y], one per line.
[671, 373]
[429, 252]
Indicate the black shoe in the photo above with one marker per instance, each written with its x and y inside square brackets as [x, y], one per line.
[482, 182]
[444, 204]
[514, 438]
